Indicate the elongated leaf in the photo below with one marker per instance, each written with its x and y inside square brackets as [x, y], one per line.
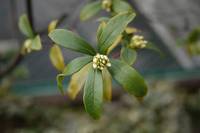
[93, 93]
[56, 58]
[128, 77]
[71, 41]
[128, 55]
[131, 30]
[52, 26]
[76, 64]
[107, 85]
[36, 43]
[73, 67]
[114, 27]
[25, 27]
[121, 6]
[100, 28]
[77, 81]
[90, 10]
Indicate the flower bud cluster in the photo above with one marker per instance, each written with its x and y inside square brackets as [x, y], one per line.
[138, 41]
[27, 47]
[106, 4]
[101, 61]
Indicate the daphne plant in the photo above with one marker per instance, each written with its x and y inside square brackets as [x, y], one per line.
[112, 6]
[96, 70]
[33, 41]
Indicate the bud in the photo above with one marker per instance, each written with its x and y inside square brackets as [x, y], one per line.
[101, 61]
[26, 47]
[106, 4]
[138, 41]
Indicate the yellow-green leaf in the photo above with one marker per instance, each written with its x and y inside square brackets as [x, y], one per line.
[130, 30]
[107, 85]
[77, 81]
[52, 25]
[56, 58]
[72, 67]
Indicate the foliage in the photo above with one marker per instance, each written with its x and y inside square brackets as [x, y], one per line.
[113, 6]
[122, 72]
[33, 41]
[96, 69]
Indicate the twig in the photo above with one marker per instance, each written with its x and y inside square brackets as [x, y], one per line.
[11, 66]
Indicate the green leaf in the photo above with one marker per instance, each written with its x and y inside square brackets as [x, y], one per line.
[76, 64]
[107, 85]
[121, 6]
[25, 27]
[128, 77]
[56, 58]
[90, 10]
[71, 41]
[93, 93]
[73, 67]
[36, 43]
[114, 27]
[128, 55]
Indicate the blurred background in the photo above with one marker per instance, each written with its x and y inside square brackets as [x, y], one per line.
[30, 101]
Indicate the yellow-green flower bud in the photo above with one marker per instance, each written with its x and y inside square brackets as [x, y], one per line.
[138, 41]
[106, 4]
[101, 61]
[26, 47]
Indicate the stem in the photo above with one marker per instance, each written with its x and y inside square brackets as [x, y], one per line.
[13, 64]
[30, 13]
